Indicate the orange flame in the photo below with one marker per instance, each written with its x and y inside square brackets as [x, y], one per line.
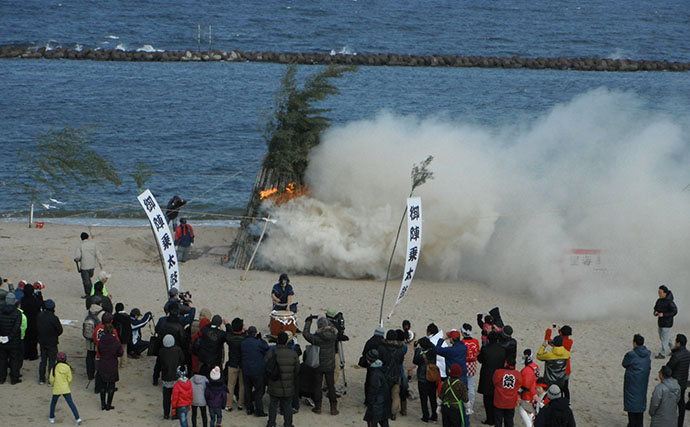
[292, 191]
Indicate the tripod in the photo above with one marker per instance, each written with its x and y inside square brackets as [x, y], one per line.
[341, 354]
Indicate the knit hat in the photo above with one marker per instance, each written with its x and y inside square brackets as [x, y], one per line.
[379, 332]
[215, 373]
[321, 322]
[95, 308]
[554, 392]
[10, 298]
[18, 295]
[455, 370]
[372, 355]
[331, 312]
[168, 341]
[49, 305]
[61, 357]
[181, 372]
[217, 320]
[558, 341]
[454, 334]
[103, 275]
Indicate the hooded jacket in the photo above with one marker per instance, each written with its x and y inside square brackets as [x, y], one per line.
[288, 363]
[216, 394]
[10, 325]
[110, 349]
[663, 407]
[61, 379]
[199, 383]
[555, 363]
[210, 345]
[392, 354]
[378, 396]
[182, 394]
[637, 364]
[529, 374]
[668, 307]
[325, 338]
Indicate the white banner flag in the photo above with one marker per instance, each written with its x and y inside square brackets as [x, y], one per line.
[164, 239]
[414, 244]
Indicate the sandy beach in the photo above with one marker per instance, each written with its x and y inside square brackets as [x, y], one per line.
[137, 281]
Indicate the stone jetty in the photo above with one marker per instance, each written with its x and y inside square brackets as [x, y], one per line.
[363, 59]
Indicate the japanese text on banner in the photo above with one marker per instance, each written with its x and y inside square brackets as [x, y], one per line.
[164, 239]
[414, 244]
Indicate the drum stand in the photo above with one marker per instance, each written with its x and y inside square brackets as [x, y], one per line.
[341, 354]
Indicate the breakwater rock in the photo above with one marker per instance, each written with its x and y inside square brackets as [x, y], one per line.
[366, 59]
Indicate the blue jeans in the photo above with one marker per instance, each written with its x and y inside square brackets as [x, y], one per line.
[68, 398]
[182, 414]
[216, 415]
[666, 342]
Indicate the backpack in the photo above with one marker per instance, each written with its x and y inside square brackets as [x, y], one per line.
[433, 374]
[271, 367]
[89, 325]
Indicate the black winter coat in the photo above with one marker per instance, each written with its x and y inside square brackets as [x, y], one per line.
[211, 345]
[492, 357]
[557, 412]
[668, 307]
[169, 359]
[288, 363]
[325, 338]
[31, 307]
[49, 329]
[680, 363]
[378, 395]
[10, 325]
[234, 342]
[421, 361]
[372, 343]
[391, 353]
[172, 326]
[123, 326]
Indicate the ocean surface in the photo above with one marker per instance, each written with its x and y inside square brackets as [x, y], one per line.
[200, 125]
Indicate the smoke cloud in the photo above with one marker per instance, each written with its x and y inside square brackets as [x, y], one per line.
[507, 206]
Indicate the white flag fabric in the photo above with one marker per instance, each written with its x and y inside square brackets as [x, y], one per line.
[164, 239]
[414, 244]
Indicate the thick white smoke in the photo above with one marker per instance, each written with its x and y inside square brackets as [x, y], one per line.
[506, 205]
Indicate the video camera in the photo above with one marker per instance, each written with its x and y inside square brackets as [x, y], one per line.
[338, 321]
[186, 297]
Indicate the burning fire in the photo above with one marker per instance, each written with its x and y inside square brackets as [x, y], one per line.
[292, 191]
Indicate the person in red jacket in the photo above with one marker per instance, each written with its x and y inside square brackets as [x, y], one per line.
[565, 332]
[182, 396]
[472, 345]
[507, 383]
[530, 374]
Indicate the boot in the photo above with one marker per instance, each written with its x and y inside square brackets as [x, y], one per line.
[317, 407]
[103, 405]
[334, 407]
[110, 406]
[403, 408]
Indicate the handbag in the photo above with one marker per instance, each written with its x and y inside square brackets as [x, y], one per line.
[311, 356]
[433, 374]
[154, 346]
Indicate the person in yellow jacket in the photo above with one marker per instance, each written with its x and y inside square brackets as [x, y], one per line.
[555, 362]
[60, 378]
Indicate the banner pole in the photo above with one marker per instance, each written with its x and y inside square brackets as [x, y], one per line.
[390, 262]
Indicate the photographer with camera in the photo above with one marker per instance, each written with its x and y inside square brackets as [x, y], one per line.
[337, 320]
[185, 305]
[325, 338]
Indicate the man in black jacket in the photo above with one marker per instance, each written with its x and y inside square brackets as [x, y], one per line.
[10, 340]
[234, 337]
[325, 337]
[209, 346]
[492, 356]
[49, 329]
[680, 363]
[665, 309]
[372, 343]
[282, 389]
